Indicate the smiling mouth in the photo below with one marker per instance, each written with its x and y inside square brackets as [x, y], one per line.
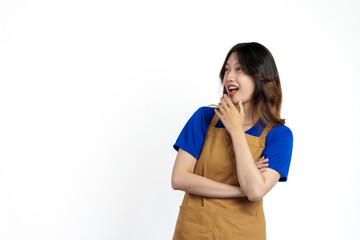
[232, 90]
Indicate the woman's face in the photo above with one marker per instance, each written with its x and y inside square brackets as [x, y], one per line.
[237, 83]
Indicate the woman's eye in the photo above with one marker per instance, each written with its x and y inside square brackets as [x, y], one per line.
[237, 69]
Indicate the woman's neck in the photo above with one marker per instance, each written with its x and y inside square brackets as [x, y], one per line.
[248, 120]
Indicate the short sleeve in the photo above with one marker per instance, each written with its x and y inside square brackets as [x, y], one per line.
[278, 149]
[192, 136]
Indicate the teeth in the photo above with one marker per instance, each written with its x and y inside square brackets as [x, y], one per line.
[232, 88]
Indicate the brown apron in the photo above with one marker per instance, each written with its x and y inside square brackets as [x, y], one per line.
[221, 218]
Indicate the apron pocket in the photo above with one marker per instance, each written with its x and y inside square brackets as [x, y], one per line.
[194, 222]
[240, 226]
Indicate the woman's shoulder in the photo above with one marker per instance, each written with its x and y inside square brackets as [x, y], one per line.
[193, 133]
[280, 133]
[203, 116]
[205, 113]
[206, 110]
[282, 128]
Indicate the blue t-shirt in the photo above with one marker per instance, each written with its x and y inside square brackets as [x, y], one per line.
[278, 142]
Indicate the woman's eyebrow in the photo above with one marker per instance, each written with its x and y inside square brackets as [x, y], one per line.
[234, 63]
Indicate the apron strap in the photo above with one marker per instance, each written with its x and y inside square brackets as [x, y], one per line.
[265, 132]
[214, 120]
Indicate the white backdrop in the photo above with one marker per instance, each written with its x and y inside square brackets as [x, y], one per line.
[94, 94]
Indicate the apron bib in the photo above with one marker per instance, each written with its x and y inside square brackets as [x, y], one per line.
[221, 218]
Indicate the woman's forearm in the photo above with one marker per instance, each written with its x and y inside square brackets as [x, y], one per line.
[206, 187]
[251, 180]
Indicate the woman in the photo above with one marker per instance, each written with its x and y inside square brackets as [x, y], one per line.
[230, 157]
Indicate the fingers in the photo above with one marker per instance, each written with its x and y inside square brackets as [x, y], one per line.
[219, 114]
[223, 103]
[221, 108]
[226, 102]
[262, 163]
[262, 160]
[263, 170]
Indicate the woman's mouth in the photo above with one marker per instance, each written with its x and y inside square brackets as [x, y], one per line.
[232, 90]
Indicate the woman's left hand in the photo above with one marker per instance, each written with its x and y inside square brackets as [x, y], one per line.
[229, 115]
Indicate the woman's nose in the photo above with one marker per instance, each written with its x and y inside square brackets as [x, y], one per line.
[230, 76]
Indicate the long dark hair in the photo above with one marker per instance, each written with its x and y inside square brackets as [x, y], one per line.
[257, 61]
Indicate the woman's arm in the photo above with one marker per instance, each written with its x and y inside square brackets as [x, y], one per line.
[184, 179]
[253, 183]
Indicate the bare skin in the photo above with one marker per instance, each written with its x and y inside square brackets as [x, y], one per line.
[253, 182]
[184, 179]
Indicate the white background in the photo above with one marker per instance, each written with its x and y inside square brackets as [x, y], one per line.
[94, 94]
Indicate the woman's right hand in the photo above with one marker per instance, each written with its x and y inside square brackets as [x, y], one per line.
[262, 164]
